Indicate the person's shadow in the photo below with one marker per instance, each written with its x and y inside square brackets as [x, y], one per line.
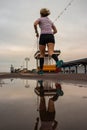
[47, 114]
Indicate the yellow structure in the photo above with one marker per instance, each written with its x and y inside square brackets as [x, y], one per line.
[49, 64]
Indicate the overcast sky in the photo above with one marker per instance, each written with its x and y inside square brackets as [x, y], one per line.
[17, 37]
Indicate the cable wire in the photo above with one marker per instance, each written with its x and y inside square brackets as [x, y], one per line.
[62, 12]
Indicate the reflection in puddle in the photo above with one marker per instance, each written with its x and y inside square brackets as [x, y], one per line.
[1, 82]
[85, 97]
[47, 113]
[42, 105]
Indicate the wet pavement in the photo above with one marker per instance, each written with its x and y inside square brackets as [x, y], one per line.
[42, 105]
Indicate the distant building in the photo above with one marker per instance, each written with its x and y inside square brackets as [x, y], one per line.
[75, 66]
[49, 64]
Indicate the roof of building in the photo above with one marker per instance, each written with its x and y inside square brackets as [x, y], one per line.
[75, 62]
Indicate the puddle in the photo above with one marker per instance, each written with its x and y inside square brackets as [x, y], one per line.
[42, 105]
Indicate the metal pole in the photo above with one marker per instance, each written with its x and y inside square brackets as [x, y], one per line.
[37, 50]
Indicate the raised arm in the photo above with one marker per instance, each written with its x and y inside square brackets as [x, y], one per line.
[36, 124]
[54, 125]
[35, 27]
[54, 29]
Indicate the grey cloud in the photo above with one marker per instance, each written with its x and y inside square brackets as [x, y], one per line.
[17, 17]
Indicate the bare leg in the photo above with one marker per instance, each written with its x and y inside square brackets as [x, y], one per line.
[51, 51]
[42, 50]
[42, 53]
[50, 48]
[42, 103]
[51, 106]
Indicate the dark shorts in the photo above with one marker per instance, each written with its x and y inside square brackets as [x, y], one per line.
[46, 38]
[47, 116]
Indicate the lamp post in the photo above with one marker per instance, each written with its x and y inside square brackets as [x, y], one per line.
[27, 60]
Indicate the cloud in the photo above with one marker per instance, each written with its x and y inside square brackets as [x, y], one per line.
[17, 37]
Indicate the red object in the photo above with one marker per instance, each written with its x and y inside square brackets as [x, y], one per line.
[57, 85]
[58, 70]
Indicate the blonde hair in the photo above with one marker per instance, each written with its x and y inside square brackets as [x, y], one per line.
[44, 12]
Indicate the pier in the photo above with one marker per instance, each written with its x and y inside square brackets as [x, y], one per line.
[75, 64]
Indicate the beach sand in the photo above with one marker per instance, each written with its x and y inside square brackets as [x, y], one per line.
[48, 76]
